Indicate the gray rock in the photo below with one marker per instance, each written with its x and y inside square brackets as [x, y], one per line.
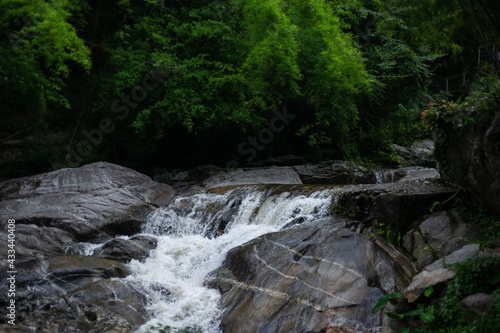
[96, 200]
[310, 278]
[334, 172]
[56, 210]
[124, 250]
[436, 273]
[420, 153]
[275, 175]
[415, 244]
[402, 203]
[122, 298]
[478, 304]
[446, 232]
[405, 174]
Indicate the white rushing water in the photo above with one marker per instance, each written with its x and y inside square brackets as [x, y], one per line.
[188, 250]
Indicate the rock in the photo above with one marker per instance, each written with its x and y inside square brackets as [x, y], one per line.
[124, 250]
[416, 245]
[402, 203]
[405, 174]
[334, 172]
[471, 157]
[436, 273]
[56, 211]
[99, 306]
[122, 298]
[311, 278]
[420, 153]
[33, 241]
[397, 205]
[69, 271]
[477, 305]
[57, 315]
[276, 175]
[446, 232]
[96, 200]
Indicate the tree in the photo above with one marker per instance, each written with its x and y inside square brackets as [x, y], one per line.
[38, 50]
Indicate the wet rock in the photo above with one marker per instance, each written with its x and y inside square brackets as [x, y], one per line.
[276, 175]
[99, 306]
[121, 298]
[58, 315]
[398, 204]
[334, 172]
[311, 278]
[33, 241]
[96, 200]
[124, 250]
[436, 273]
[405, 174]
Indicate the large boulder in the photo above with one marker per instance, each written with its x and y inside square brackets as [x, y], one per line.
[419, 153]
[334, 172]
[437, 272]
[273, 175]
[59, 218]
[311, 278]
[396, 205]
[96, 200]
[470, 155]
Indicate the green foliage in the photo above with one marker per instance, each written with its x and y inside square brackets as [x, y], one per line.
[484, 218]
[435, 112]
[473, 276]
[391, 236]
[426, 314]
[382, 301]
[46, 45]
[356, 73]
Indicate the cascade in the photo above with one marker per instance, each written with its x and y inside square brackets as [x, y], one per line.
[194, 235]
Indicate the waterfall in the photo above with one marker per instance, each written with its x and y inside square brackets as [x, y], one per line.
[194, 235]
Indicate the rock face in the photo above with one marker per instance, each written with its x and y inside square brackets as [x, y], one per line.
[308, 279]
[96, 200]
[334, 172]
[471, 157]
[276, 175]
[59, 289]
[436, 273]
[418, 154]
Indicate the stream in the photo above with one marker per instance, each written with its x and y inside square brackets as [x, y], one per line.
[194, 235]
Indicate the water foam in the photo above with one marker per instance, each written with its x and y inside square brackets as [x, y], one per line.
[188, 250]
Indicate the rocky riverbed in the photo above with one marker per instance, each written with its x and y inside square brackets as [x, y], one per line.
[307, 248]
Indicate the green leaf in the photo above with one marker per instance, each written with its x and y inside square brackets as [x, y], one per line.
[382, 301]
[429, 291]
[412, 313]
[395, 315]
[427, 317]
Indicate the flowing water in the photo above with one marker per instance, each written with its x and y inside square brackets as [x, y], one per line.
[194, 235]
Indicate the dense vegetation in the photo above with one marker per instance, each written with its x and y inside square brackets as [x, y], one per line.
[178, 83]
